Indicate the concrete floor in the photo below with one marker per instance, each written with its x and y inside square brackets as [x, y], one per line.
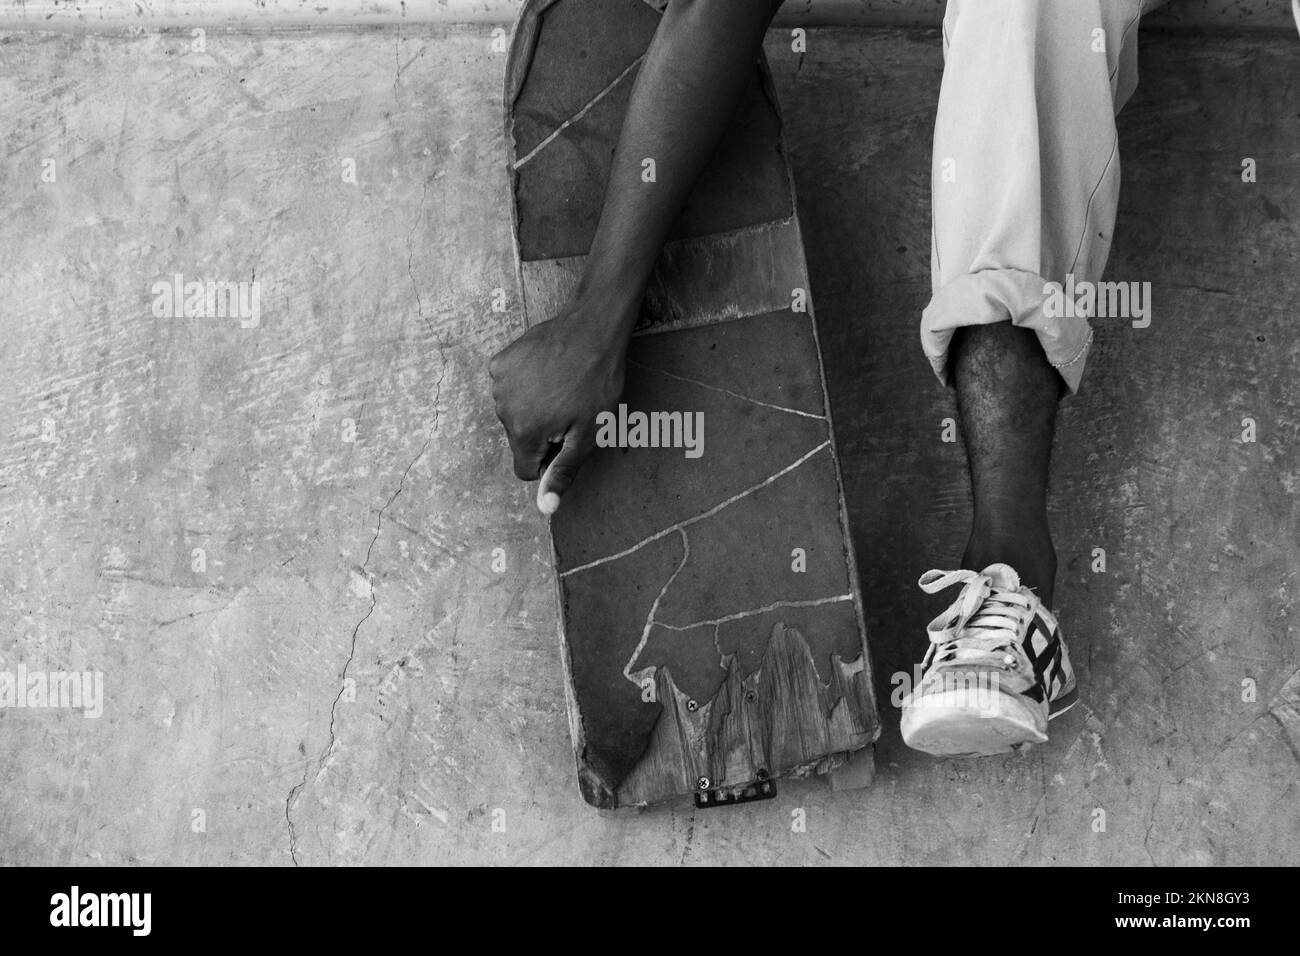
[358, 674]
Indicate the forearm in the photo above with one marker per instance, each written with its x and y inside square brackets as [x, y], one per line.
[686, 92]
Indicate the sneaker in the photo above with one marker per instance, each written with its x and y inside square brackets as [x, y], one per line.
[996, 672]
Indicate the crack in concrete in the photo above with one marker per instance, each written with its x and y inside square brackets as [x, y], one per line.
[701, 516]
[1289, 692]
[1043, 784]
[581, 113]
[352, 653]
[1151, 822]
[1286, 736]
[397, 62]
[1288, 696]
[441, 346]
[410, 258]
[727, 391]
[1037, 809]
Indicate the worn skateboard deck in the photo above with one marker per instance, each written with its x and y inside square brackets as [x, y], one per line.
[711, 626]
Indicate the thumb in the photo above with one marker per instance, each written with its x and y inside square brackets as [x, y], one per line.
[559, 474]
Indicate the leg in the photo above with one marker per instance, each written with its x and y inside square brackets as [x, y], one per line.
[1007, 392]
[1026, 185]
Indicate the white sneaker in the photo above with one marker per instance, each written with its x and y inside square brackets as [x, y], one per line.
[996, 672]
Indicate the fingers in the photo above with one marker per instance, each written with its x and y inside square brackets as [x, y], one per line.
[542, 427]
[527, 451]
[528, 455]
[561, 471]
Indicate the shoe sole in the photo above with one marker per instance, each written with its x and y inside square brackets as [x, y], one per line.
[956, 723]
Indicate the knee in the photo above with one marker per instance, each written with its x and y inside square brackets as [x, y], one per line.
[999, 351]
[997, 340]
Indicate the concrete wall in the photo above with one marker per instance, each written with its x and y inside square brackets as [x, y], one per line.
[1191, 15]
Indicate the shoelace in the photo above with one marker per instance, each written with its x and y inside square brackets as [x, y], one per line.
[981, 627]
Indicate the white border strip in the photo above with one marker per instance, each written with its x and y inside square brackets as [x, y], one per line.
[108, 15]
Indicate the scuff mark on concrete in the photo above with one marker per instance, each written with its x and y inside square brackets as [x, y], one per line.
[690, 838]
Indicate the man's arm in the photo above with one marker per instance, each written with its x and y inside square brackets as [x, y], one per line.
[550, 383]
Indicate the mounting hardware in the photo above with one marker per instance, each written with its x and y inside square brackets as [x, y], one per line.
[702, 783]
[692, 706]
[762, 789]
[751, 696]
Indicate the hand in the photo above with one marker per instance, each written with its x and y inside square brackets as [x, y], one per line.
[549, 385]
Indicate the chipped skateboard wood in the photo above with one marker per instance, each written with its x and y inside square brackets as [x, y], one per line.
[711, 626]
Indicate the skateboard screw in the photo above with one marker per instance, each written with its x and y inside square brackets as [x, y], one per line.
[692, 706]
[702, 783]
[762, 775]
[750, 696]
